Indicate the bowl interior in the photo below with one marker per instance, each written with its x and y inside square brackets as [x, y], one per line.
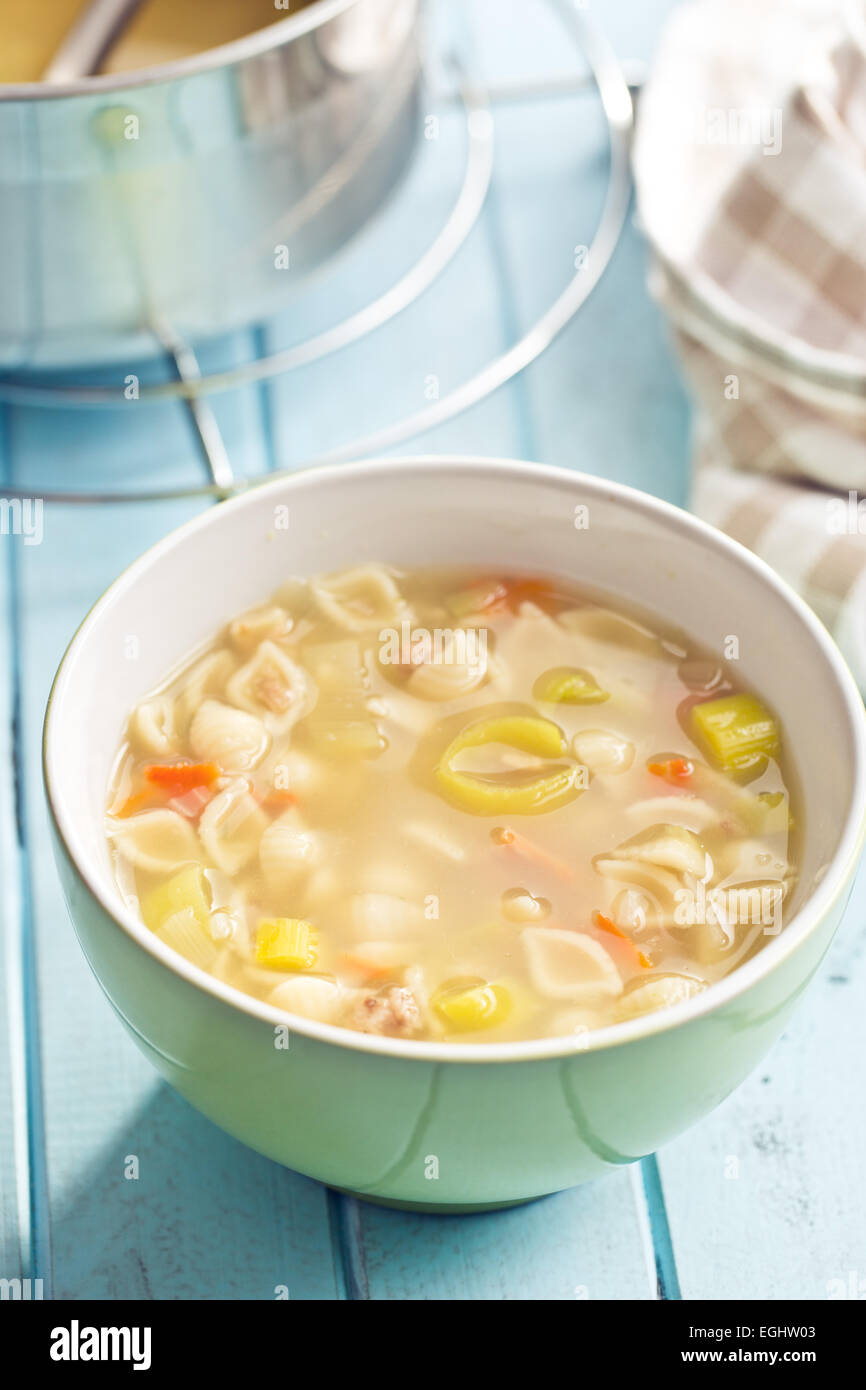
[429, 511]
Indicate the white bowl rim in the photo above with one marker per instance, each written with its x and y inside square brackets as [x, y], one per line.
[721, 992]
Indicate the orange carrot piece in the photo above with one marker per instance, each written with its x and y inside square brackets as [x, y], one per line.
[677, 770]
[605, 924]
[177, 778]
[137, 802]
[278, 799]
[168, 782]
[504, 835]
[509, 591]
[495, 599]
[538, 591]
[367, 970]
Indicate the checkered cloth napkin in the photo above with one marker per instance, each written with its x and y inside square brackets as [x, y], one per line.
[750, 162]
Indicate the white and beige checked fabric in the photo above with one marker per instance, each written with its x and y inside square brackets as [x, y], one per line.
[810, 537]
[750, 162]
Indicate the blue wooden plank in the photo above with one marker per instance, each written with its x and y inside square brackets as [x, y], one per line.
[204, 1218]
[15, 1214]
[765, 1197]
[578, 1245]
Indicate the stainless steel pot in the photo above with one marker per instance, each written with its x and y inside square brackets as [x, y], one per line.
[201, 192]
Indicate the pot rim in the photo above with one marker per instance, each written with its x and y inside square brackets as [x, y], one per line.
[813, 911]
[254, 45]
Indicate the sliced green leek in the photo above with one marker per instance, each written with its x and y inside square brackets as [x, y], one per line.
[514, 793]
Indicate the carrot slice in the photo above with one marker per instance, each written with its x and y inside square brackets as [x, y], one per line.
[527, 849]
[605, 924]
[170, 782]
[537, 591]
[676, 770]
[492, 594]
[137, 802]
[174, 779]
[506, 593]
[278, 799]
[367, 970]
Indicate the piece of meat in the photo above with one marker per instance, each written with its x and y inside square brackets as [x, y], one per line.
[393, 1012]
[273, 692]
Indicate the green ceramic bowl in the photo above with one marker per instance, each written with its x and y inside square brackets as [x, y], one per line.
[431, 1124]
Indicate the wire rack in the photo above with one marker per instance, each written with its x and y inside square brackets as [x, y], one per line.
[596, 71]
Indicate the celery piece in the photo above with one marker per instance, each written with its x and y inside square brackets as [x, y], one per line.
[341, 726]
[735, 731]
[184, 933]
[338, 729]
[186, 889]
[467, 1007]
[285, 943]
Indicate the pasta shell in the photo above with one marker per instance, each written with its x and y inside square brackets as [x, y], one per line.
[272, 687]
[567, 965]
[152, 728]
[669, 847]
[311, 996]
[207, 677]
[709, 926]
[659, 886]
[158, 841]
[287, 852]
[603, 751]
[231, 827]
[297, 772]
[384, 917]
[631, 911]
[446, 680]
[230, 737]
[361, 599]
[247, 631]
[662, 992]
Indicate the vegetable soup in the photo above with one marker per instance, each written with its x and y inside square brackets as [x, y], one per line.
[442, 804]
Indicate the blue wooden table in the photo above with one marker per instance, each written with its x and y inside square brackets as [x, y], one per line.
[762, 1200]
